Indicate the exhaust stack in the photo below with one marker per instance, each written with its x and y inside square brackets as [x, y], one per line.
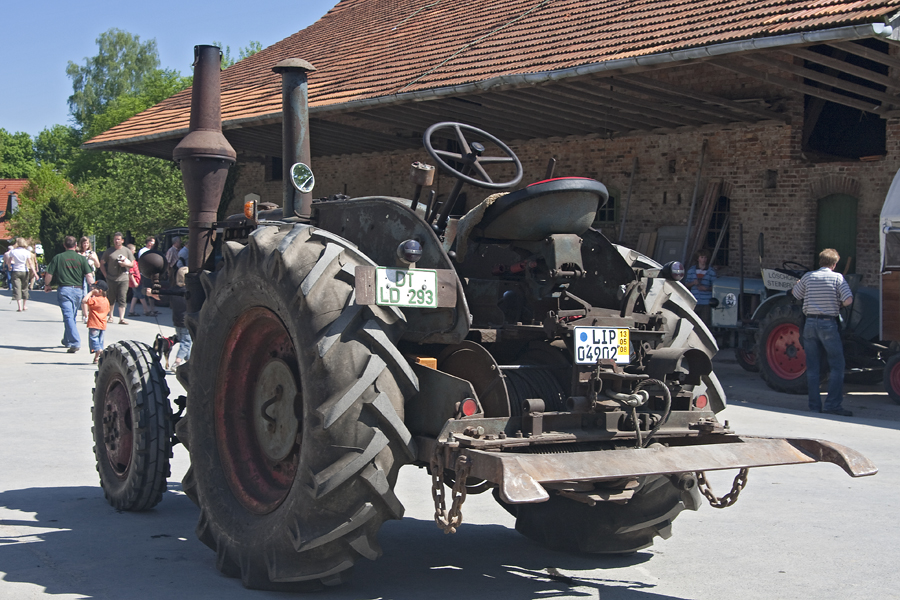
[204, 155]
[294, 131]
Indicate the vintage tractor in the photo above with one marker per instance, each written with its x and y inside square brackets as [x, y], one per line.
[504, 346]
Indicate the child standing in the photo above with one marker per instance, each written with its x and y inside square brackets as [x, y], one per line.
[96, 307]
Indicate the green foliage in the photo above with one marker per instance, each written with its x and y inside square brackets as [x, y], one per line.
[118, 69]
[115, 191]
[143, 195]
[59, 217]
[156, 86]
[43, 185]
[249, 50]
[56, 146]
[16, 155]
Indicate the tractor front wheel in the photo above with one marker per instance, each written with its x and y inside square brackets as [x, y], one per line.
[132, 426]
[779, 351]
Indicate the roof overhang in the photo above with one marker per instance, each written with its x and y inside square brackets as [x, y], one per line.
[606, 99]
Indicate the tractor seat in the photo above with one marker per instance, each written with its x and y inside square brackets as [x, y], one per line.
[561, 205]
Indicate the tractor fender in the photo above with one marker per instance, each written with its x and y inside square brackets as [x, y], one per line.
[775, 300]
[377, 225]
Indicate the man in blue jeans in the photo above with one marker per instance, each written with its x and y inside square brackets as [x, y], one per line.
[68, 270]
[823, 293]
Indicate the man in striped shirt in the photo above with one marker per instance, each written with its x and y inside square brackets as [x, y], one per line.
[823, 293]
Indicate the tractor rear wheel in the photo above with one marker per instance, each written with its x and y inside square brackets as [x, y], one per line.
[892, 378]
[295, 411]
[132, 426]
[779, 351]
[569, 525]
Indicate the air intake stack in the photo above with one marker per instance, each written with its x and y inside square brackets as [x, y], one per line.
[204, 155]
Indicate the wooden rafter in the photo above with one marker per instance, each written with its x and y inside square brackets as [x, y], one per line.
[798, 86]
[845, 67]
[654, 108]
[829, 80]
[696, 101]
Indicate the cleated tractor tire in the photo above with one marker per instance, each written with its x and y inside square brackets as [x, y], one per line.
[295, 411]
[779, 350]
[132, 426]
[892, 378]
[607, 527]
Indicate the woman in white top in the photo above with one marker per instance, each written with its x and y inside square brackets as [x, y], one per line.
[84, 249]
[19, 261]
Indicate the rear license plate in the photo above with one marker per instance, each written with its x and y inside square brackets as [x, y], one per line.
[593, 343]
[406, 287]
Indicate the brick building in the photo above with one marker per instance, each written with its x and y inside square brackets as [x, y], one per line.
[794, 102]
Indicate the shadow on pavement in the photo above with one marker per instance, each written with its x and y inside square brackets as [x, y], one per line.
[68, 540]
[53, 349]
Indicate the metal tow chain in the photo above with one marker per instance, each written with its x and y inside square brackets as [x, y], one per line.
[740, 481]
[448, 522]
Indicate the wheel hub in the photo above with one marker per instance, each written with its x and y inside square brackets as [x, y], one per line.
[257, 426]
[118, 434]
[786, 356]
[273, 414]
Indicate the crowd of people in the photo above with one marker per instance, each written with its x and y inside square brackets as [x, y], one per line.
[98, 286]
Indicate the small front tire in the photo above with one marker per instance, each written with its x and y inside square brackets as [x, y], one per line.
[132, 426]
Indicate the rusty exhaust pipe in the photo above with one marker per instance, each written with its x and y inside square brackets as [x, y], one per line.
[294, 131]
[204, 155]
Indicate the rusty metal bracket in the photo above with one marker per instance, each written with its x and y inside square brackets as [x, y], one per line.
[520, 477]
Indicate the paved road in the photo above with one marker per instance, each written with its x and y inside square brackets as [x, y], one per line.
[797, 532]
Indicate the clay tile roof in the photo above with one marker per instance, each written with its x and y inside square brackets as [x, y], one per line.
[369, 48]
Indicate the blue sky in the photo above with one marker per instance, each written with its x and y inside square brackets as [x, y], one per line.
[40, 38]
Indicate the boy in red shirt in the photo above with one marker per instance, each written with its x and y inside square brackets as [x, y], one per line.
[96, 307]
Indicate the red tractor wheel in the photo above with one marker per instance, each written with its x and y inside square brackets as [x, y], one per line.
[782, 360]
[892, 378]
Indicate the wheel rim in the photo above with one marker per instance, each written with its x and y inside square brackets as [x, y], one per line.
[785, 355]
[748, 356]
[257, 430]
[118, 428]
[895, 378]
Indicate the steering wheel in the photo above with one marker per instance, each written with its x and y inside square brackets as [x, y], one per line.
[471, 155]
[790, 265]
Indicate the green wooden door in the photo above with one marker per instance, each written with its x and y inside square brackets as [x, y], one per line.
[836, 228]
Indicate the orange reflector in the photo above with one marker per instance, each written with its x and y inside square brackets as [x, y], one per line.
[469, 407]
[248, 208]
[701, 401]
[427, 361]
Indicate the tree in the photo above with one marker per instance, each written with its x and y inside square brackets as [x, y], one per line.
[56, 146]
[16, 155]
[43, 185]
[59, 218]
[118, 69]
[249, 50]
[143, 195]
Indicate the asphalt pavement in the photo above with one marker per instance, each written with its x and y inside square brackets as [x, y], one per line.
[806, 531]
